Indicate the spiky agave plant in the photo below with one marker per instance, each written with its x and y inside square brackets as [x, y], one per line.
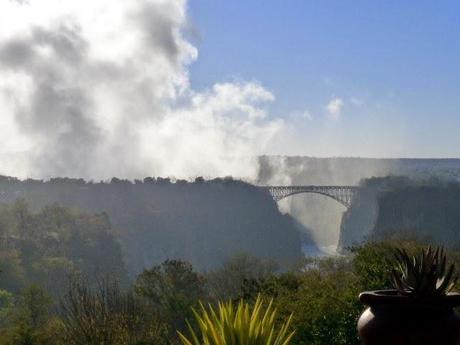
[243, 325]
[426, 274]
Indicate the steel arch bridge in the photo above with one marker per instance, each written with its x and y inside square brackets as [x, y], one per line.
[342, 194]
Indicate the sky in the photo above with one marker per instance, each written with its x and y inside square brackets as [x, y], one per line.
[355, 78]
[97, 88]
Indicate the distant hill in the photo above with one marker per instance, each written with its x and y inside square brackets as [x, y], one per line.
[426, 209]
[343, 170]
[204, 222]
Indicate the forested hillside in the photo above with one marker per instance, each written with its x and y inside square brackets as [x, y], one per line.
[428, 209]
[204, 222]
[47, 247]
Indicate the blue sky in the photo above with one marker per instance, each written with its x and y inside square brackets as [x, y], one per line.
[394, 66]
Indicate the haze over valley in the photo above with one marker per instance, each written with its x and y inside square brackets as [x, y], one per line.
[208, 221]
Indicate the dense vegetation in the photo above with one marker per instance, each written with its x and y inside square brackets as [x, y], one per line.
[44, 248]
[203, 222]
[63, 282]
[124, 263]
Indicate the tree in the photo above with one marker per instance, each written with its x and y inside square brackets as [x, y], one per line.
[240, 277]
[32, 320]
[108, 315]
[173, 287]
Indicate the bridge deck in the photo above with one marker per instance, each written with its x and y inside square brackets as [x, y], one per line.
[342, 194]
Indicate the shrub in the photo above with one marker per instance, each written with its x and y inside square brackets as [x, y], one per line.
[108, 316]
[244, 325]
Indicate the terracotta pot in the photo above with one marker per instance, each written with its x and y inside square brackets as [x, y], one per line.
[392, 319]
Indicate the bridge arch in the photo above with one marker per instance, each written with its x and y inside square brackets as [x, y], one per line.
[342, 194]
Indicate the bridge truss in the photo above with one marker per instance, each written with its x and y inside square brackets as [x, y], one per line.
[342, 194]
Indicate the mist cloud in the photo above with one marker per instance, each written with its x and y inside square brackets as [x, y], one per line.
[99, 88]
[334, 108]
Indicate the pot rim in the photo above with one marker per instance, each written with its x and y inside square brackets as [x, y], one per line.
[392, 297]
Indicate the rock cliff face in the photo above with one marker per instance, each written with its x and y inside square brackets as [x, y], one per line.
[358, 222]
[426, 209]
[204, 222]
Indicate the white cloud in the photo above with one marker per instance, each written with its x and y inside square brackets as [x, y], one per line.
[307, 115]
[94, 89]
[299, 115]
[334, 108]
[357, 101]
